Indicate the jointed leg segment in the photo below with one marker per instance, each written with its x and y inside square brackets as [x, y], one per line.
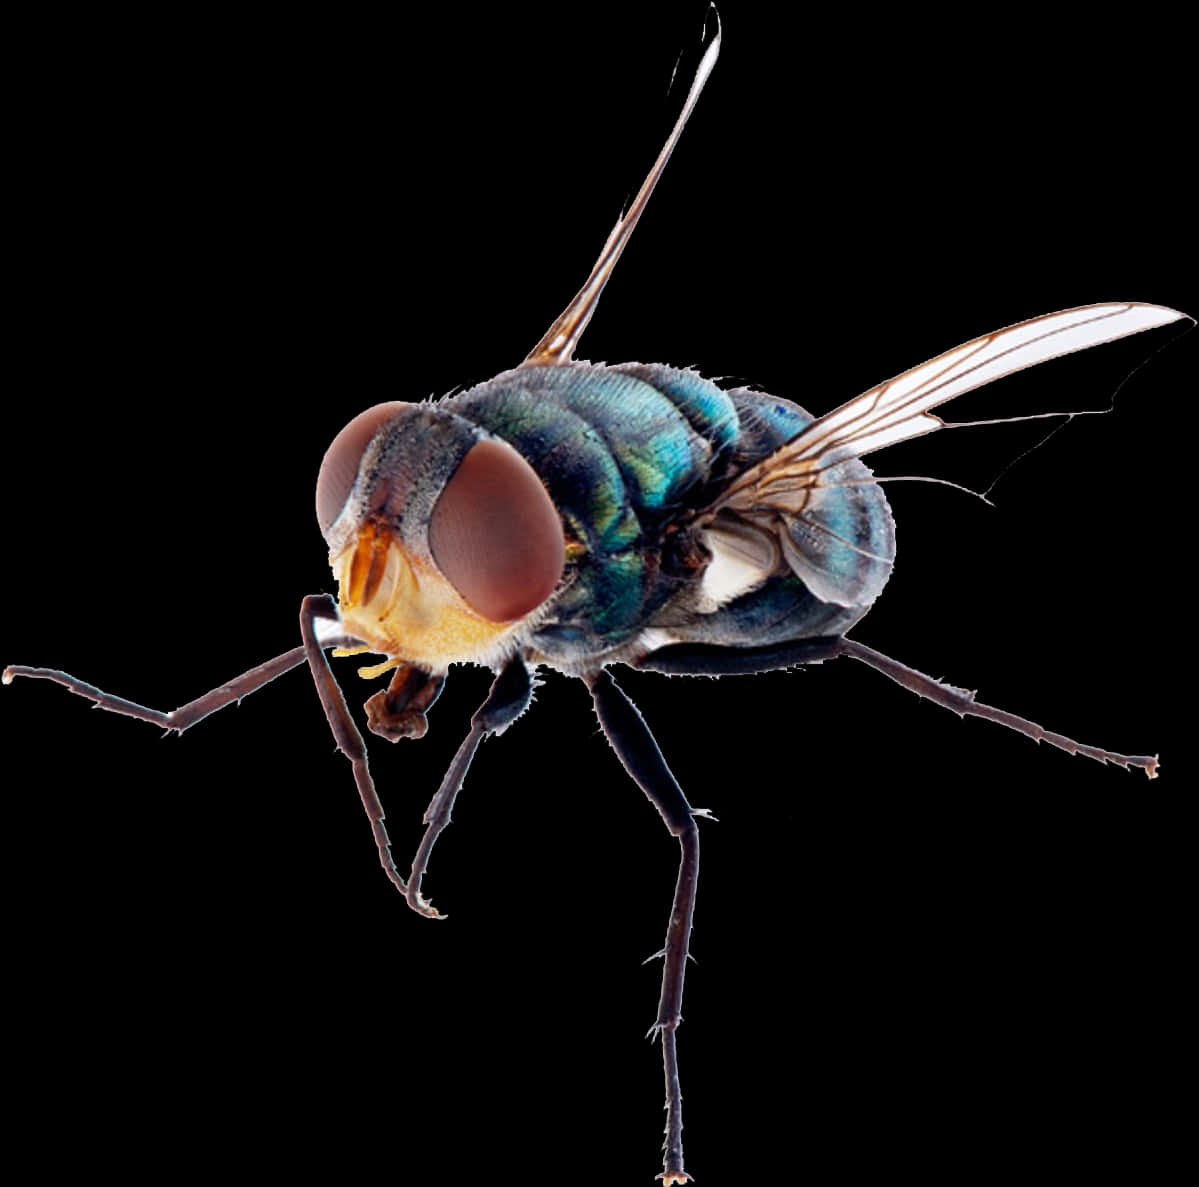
[696, 659]
[630, 737]
[507, 699]
[962, 702]
[177, 719]
[397, 713]
[345, 732]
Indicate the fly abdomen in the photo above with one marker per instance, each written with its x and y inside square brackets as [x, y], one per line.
[839, 538]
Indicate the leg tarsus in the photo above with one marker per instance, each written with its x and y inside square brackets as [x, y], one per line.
[961, 701]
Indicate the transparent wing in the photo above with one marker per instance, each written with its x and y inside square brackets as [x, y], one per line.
[559, 341]
[899, 409]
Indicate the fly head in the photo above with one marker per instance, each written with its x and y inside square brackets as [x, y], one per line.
[442, 537]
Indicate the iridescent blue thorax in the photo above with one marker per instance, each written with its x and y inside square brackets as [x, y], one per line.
[629, 454]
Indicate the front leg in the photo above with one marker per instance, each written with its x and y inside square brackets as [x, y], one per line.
[414, 691]
[175, 719]
[345, 732]
[634, 745]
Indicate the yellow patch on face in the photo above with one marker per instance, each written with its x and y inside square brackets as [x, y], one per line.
[403, 607]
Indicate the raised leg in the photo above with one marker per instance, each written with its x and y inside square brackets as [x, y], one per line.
[630, 737]
[695, 659]
[177, 719]
[509, 697]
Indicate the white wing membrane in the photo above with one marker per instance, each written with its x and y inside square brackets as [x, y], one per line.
[898, 410]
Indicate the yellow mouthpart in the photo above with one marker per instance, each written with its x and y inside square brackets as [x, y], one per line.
[404, 608]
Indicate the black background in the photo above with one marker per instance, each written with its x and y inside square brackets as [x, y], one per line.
[921, 942]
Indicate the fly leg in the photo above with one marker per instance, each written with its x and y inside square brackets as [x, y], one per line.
[508, 698]
[630, 737]
[345, 732]
[702, 659]
[962, 702]
[176, 719]
[711, 659]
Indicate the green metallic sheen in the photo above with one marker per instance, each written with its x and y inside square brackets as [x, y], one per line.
[619, 456]
[626, 453]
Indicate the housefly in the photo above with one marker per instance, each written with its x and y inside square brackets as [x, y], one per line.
[575, 516]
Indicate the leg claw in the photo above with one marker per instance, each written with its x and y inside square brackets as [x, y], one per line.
[422, 906]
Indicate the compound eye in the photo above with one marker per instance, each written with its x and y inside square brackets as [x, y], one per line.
[339, 468]
[495, 534]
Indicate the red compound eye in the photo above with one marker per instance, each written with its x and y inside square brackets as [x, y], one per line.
[340, 465]
[495, 534]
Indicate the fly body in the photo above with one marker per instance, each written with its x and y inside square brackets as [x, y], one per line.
[578, 516]
[632, 456]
